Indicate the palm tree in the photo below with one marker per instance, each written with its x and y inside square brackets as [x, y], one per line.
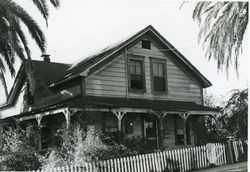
[13, 41]
[223, 25]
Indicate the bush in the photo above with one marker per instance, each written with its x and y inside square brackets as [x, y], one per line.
[98, 147]
[64, 154]
[137, 145]
[78, 148]
[20, 149]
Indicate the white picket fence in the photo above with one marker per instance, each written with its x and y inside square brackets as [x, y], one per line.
[184, 159]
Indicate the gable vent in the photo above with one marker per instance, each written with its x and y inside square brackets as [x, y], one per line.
[146, 44]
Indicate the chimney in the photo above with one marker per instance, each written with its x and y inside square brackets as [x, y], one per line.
[45, 57]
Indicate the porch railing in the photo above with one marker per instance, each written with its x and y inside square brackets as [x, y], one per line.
[184, 159]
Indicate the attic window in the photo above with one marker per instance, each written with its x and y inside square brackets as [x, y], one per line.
[146, 44]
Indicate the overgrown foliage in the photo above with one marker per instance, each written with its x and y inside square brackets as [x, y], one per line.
[20, 150]
[235, 114]
[231, 123]
[223, 26]
[78, 147]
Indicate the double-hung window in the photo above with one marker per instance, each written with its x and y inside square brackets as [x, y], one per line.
[158, 76]
[136, 74]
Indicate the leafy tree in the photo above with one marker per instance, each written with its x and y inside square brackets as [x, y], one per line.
[13, 40]
[209, 128]
[223, 26]
[231, 123]
[235, 114]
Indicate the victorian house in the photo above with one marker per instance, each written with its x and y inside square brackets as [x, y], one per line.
[140, 87]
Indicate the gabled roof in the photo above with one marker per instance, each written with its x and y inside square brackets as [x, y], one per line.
[96, 61]
[49, 72]
[46, 72]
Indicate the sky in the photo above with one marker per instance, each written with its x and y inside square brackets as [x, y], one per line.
[81, 27]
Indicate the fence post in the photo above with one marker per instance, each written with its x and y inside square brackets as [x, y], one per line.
[229, 152]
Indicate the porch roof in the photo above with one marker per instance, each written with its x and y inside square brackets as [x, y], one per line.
[157, 105]
[92, 103]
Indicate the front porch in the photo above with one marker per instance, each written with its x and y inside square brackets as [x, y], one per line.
[159, 124]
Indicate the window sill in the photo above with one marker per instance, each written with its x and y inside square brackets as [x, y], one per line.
[137, 91]
[163, 93]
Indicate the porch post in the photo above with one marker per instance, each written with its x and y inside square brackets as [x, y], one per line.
[66, 113]
[185, 131]
[119, 115]
[184, 116]
[161, 116]
[38, 119]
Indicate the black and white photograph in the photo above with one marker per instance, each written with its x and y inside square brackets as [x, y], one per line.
[124, 86]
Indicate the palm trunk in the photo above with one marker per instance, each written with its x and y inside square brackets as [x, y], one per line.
[28, 67]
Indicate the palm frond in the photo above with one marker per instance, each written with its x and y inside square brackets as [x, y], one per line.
[55, 3]
[13, 41]
[34, 30]
[43, 8]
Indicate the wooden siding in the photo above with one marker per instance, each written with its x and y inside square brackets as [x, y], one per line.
[111, 81]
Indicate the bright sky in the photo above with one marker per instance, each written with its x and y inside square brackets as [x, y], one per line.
[81, 27]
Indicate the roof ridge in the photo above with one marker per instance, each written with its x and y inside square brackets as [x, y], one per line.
[59, 63]
[107, 48]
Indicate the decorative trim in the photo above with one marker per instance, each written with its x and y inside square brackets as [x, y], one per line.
[119, 115]
[39, 119]
[51, 112]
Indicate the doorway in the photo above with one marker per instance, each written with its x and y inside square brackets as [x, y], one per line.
[151, 132]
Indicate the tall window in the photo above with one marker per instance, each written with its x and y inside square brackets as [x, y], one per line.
[136, 74]
[158, 76]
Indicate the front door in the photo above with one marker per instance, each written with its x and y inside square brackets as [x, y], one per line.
[151, 134]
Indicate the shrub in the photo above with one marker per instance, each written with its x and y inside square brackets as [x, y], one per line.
[136, 145]
[94, 147]
[64, 154]
[78, 148]
[20, 149]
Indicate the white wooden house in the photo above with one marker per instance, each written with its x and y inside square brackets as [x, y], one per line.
[141, 87]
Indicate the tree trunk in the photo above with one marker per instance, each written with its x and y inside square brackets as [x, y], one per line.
[28, 67]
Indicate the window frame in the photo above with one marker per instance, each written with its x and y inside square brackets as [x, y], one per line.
[163, 61]
[139, 58]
